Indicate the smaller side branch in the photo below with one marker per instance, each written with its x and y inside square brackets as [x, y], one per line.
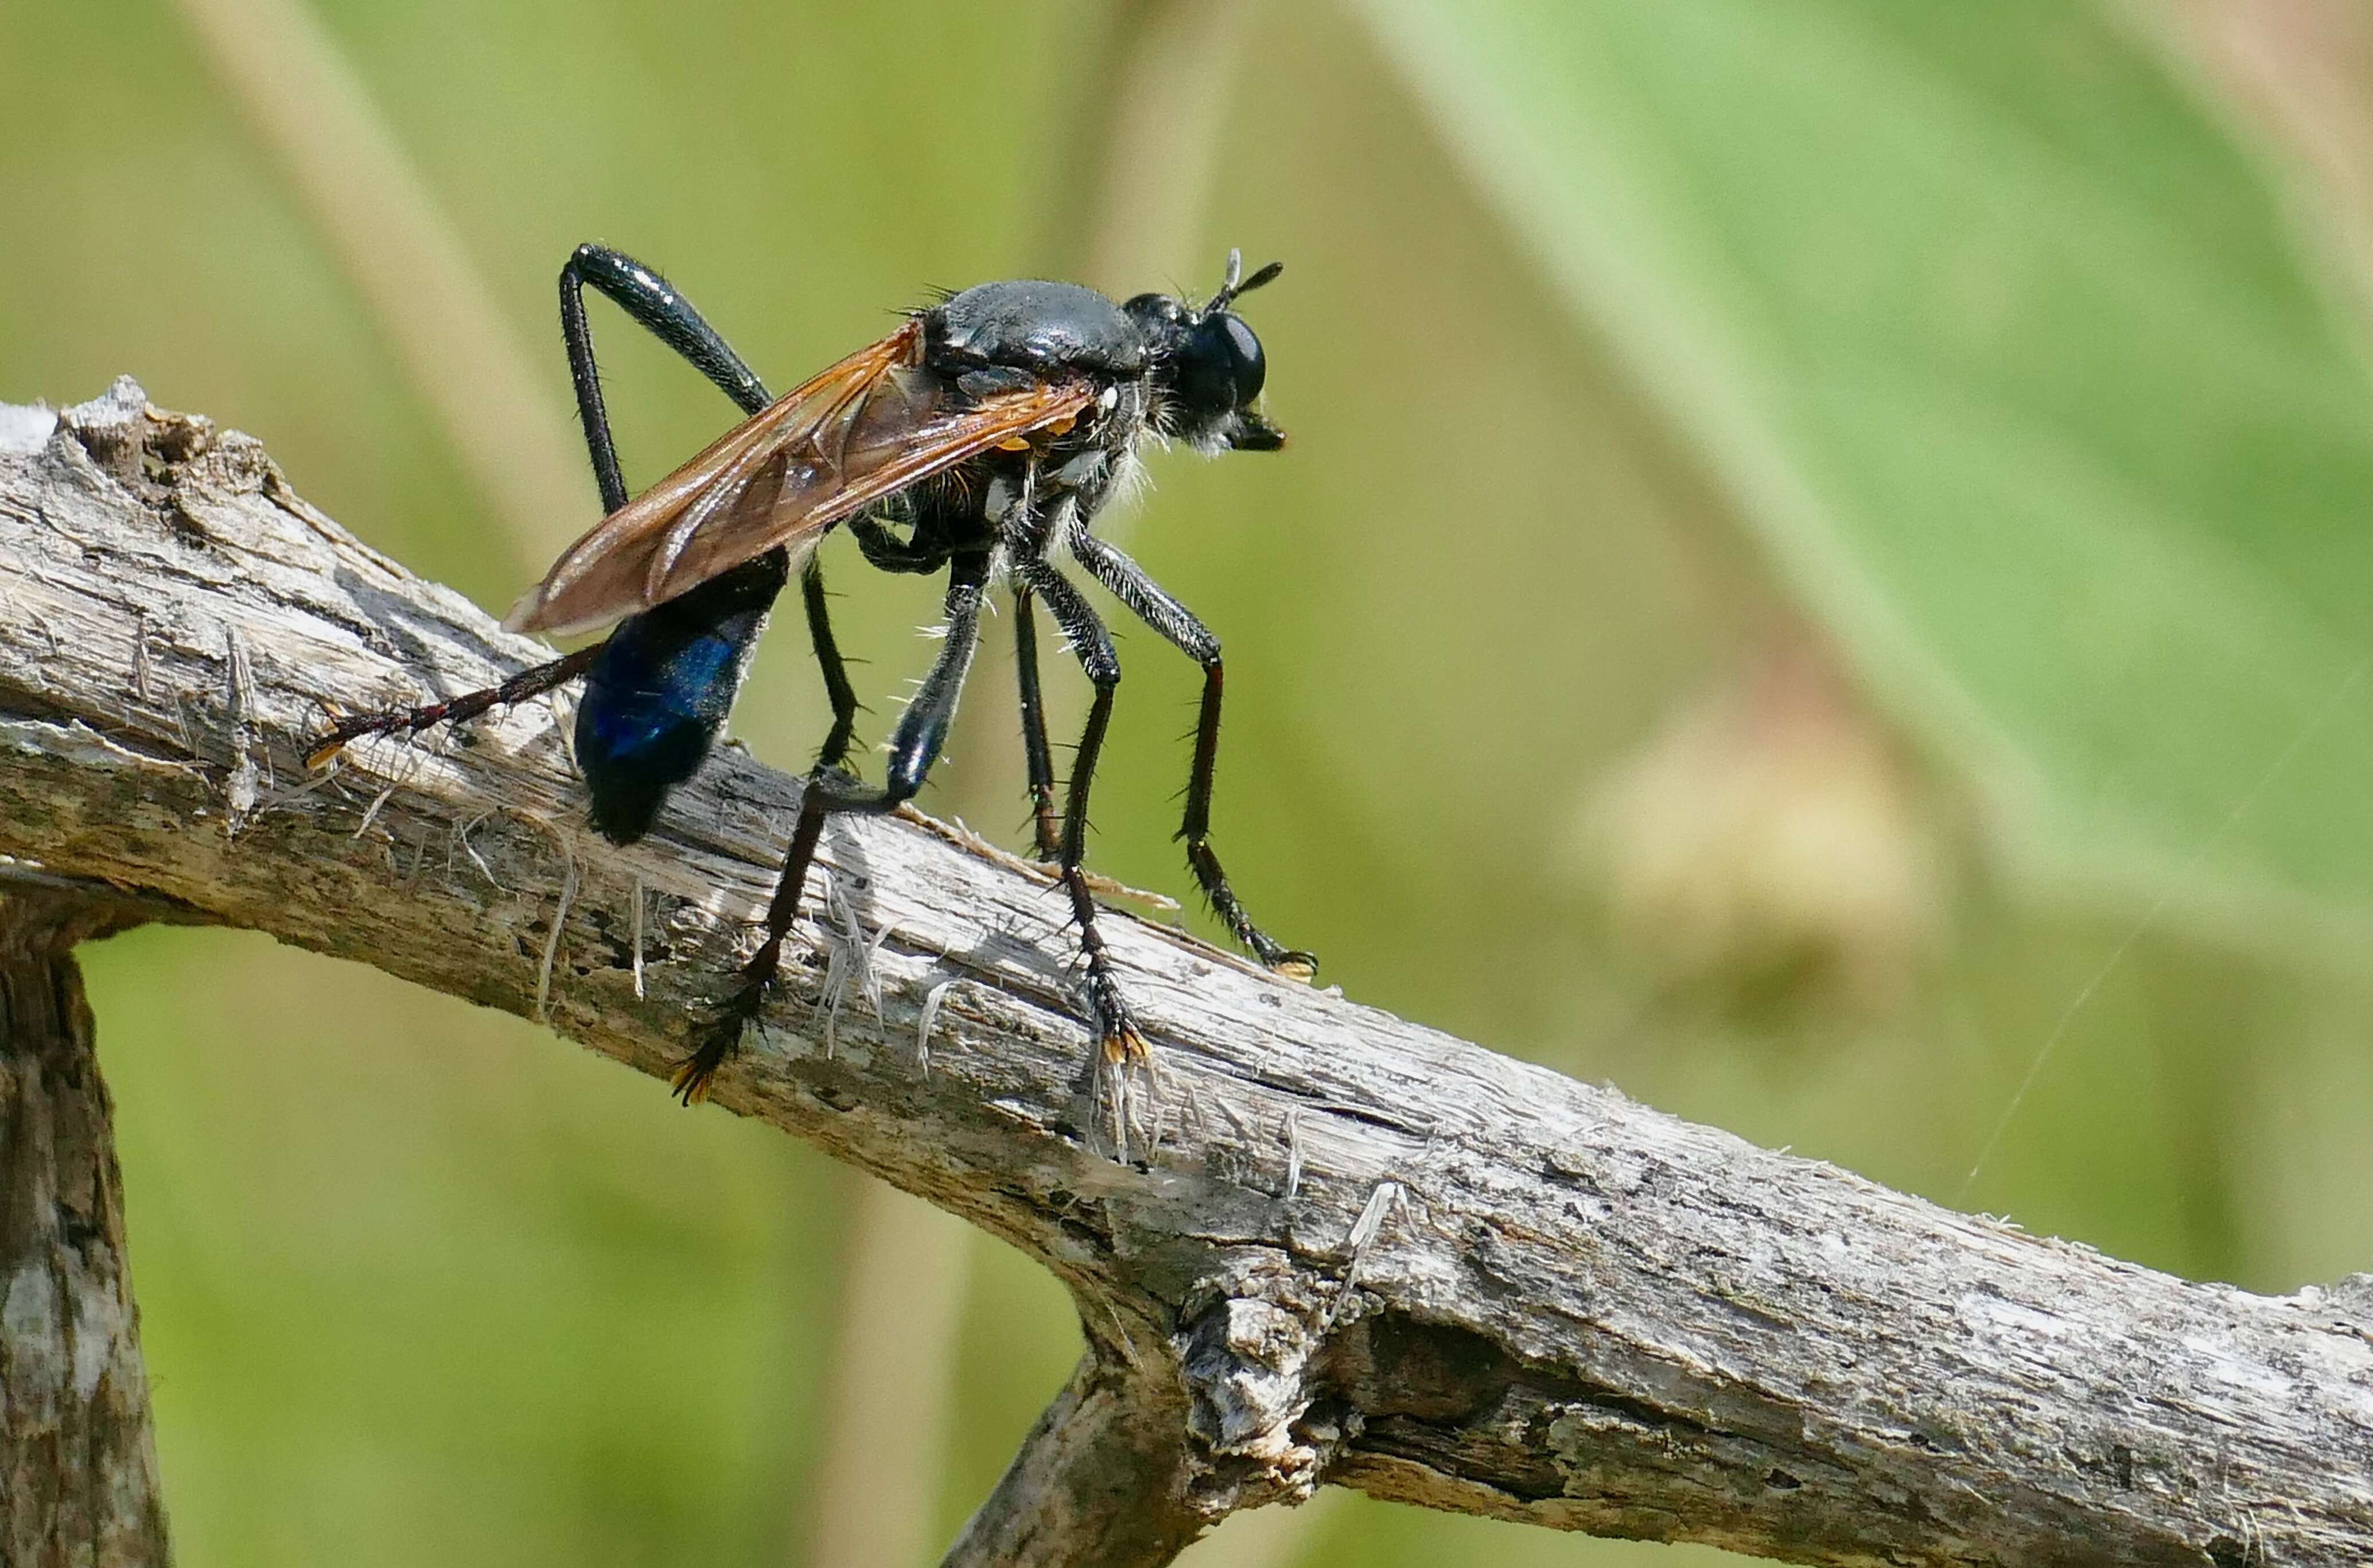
[1100, 1478]
[77, 1452]
[1143, 1453]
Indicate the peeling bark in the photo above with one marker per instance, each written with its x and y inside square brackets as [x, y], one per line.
[1324, 1246]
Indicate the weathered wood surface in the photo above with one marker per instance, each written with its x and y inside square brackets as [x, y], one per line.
[77, 1455]
[1326, 1247]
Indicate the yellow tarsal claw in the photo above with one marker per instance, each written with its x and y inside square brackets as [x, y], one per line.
[1128, 1045]
[690, 1083]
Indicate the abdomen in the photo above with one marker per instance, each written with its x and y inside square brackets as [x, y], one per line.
[658, 695]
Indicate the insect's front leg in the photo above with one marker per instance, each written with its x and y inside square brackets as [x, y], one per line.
[1153, 605]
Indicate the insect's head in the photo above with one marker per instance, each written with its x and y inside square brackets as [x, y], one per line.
[1208, 367]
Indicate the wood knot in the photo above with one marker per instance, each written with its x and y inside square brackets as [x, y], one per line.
[133, 441]
[1247, 1363]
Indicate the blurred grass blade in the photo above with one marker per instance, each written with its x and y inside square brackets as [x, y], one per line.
[1163, 89]
[2008, 359]
[2295, 76]
[884, 1429]
[350, 174]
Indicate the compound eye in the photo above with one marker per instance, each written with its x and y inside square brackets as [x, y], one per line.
[1245, 359]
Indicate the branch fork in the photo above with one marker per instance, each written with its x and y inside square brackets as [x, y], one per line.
[1345, 1250]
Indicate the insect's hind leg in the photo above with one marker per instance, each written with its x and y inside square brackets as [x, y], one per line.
[655, 305]
[652, 303]
[453, 711]
[914, 747]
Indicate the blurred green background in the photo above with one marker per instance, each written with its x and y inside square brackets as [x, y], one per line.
[1822, 578]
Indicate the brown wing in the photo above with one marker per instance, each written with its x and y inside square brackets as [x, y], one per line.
[862, 431]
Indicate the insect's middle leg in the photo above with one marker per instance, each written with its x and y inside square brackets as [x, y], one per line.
[1040, 759]
[783, 907]
[836, 689]
[1115, 1028]
[915, 745]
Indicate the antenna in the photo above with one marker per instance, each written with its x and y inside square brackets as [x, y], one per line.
[1234, 283]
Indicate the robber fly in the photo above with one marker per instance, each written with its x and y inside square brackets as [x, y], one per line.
[978, 438]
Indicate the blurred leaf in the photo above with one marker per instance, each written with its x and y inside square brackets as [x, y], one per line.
[419, 1286]
[2007, 358]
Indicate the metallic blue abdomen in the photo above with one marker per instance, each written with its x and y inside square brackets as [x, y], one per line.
[656, 699]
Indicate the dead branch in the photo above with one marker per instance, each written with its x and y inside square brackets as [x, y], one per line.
[1323, 1245]
[77, 1453]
